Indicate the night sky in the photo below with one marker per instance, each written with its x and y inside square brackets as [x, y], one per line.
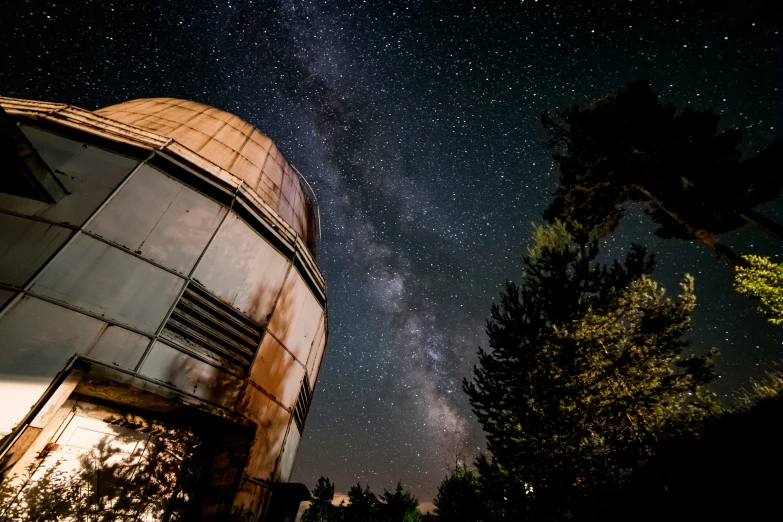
[418, 126]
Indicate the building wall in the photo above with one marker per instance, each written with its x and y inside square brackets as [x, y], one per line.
[99, 273]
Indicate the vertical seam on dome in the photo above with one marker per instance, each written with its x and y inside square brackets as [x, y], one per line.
[211, 136]
[239, 153]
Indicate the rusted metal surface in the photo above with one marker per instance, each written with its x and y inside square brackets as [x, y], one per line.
[226, 141]
[277, 372]
[218, 142]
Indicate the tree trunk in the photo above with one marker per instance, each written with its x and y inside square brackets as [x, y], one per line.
[708, 239]
[769, 227]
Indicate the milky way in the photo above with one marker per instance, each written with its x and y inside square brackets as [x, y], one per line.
[418, 127]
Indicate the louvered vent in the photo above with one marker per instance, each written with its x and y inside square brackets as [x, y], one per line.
[302, 405]
[204, 322]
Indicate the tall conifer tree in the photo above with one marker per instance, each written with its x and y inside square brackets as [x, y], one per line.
[585, 372]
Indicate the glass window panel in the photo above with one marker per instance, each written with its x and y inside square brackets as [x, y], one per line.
[36, 340]
[289, 455]
[119, 347]
[272, 421]
[277, 372]
[94, 276]
[242, 269]
[160, 219]
[88, 174]
[25, 245]
[190, 375]
[296, 316]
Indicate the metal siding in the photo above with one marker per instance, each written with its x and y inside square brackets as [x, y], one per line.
[89, 175]
[106, 281]
[316, 354]
[25, 245]
[277, 372]
[272, 421]
[296, 316]
[242, 269]
[288, 458]
[5, 296]
[160, 219]
[119, 347]
[190, 375]
[36, 340]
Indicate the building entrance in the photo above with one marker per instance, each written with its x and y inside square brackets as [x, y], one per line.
[102, 464]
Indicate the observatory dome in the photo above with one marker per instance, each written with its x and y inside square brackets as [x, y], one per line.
[230, 143]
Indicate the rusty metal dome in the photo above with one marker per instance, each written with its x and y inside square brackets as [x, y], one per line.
[230, 143]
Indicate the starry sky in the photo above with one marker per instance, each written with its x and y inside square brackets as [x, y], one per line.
[417, 123]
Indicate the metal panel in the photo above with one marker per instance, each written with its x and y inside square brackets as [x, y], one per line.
[21, 205]
[277, 372]
[119, 347]
[36, 340]
[296, 316]
[94, 276]
[272, 169]
[160, 219]
[191, 375]
[272, 421]
[316, 353]
[25, 245]
[88, 174]
[37, 337]
[288, 457]
[249, 499]
[243, 269]
[5, 296]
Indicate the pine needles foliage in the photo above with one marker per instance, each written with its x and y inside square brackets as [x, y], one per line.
[584, 374]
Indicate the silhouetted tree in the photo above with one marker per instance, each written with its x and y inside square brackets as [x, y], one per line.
[459, 496]
[763, 279]
[362, 505]
[585, 373]
[399, 506]
[321, 508]
[627, 146]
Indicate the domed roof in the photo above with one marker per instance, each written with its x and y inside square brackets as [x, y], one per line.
[227, 141]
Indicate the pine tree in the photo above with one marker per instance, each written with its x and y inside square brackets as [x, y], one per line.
[627, 147]
[396, 506]
[321, 508]
[763, 279]
[362, 505]
[585, 372]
